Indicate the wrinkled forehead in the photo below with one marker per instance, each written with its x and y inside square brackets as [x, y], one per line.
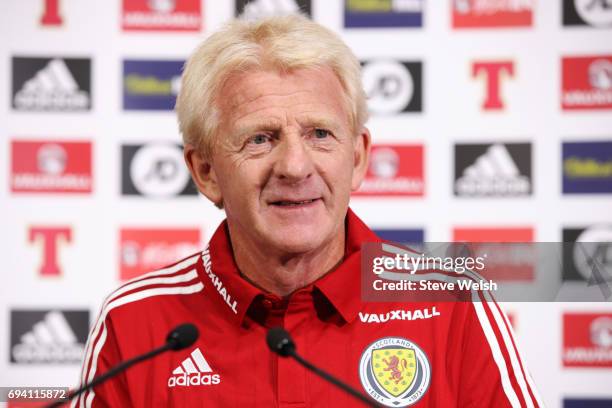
[315, 91]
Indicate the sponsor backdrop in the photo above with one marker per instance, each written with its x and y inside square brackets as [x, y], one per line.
[491, 121]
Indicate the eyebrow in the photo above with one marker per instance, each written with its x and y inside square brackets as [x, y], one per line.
[253, 127]
[319, 122]
[274, 125]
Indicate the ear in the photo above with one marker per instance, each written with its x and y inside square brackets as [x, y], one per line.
[362, 146]
[203, 174]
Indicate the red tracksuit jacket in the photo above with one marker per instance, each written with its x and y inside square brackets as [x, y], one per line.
[443, 354]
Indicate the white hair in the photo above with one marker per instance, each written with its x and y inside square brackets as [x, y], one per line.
[281, 43]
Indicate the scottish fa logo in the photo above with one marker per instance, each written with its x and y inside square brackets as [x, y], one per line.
[395, 372]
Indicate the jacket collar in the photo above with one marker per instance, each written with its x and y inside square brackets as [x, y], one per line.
[341, 286]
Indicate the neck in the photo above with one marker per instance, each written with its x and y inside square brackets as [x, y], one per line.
[283, 273]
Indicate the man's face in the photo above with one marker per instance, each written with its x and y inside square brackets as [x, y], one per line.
[285, 158]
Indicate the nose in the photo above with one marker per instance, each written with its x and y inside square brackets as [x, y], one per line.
[294, 162]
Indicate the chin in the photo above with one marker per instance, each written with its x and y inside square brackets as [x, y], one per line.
[298, 241]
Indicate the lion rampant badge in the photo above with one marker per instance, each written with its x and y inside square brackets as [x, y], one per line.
[395, 371]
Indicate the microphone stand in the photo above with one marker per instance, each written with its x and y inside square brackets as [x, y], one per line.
[179, 338]
[110, 373]
[328, 377]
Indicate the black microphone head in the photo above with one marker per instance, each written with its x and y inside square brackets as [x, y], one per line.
[182, 336]
[280, 341]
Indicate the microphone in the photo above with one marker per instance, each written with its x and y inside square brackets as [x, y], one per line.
[179, 338]
[182, 336]
[280, 342]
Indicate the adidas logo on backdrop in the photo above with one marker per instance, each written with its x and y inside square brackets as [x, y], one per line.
[41, 337]
[489, 170]
[51, 84]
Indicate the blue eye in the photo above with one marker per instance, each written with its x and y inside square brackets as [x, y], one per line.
[321, 133]
[259, 139]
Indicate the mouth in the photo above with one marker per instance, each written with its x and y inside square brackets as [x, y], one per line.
[294, 203]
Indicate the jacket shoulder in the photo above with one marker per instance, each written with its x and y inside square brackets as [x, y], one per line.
[179, 278]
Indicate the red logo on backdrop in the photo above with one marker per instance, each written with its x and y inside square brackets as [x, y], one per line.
[51, 167]
[29, 403]
[512, 234]
[587, 340]
[498, 13]
[145, 250]
[394, 170]
[586, 82]
[492, 72]
[514, 262]
[51, 15]
[162, 15]
[49, 237]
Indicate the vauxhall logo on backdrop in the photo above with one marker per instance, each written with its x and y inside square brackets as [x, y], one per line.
[587, 167]
[48, 336]
[596, 13]
[383, 13]
[161, 15]
[493, 169]
[155, 170]
[499, 13]
[586, 82]
[255, 9]
[492, 73]
[151, 84]
[51, 167]
[51, 84]
[393, 87]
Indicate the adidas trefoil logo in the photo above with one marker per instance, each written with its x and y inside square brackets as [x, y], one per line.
[193, 371]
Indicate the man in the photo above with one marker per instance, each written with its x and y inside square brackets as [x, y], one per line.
[272, 113]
